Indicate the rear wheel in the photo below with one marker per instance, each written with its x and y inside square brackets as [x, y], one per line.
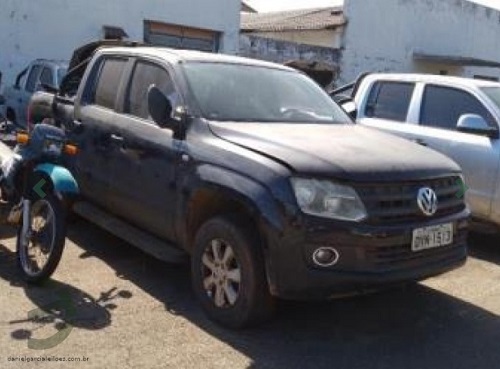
[228, 274]
[40, 255]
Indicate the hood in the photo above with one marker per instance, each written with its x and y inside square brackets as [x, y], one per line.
[344, 151]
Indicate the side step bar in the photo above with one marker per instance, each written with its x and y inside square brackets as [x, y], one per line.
[149, 244]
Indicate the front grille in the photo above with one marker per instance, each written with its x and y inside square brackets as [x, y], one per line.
[396, 203]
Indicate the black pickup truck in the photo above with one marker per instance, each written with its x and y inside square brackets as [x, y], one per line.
[251, 170]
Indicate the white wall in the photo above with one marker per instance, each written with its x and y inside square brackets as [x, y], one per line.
[382, 35]
[51, 29]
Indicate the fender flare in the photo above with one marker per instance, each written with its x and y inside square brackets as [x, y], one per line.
[254, 195]
[62, 180]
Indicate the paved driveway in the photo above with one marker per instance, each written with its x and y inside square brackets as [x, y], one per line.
[122, 309]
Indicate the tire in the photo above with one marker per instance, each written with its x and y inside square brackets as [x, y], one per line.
[253, 303]
[56, 246]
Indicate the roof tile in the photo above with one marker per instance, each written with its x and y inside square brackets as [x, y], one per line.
[292, 20]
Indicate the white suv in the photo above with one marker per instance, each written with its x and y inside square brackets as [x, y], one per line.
[457, 116]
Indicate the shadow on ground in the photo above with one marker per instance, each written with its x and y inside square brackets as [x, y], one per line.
[58, 305]
[416, 327]
[485, 247]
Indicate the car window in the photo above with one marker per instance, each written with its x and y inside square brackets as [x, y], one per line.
[389, 100]
[443, 106]
[33, 78]
[146, 74]
[61, 72]
[47, 77]
[109, 81]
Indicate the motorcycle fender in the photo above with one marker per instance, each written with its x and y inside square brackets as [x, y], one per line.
[62, 179]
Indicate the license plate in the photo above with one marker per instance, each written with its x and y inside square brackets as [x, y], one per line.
[431, 237]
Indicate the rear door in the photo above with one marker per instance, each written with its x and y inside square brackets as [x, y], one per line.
[144, 164]
[98, 123]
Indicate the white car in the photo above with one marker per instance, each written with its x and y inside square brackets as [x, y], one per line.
[459, 117]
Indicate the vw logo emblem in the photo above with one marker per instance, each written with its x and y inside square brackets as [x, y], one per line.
[427, 201]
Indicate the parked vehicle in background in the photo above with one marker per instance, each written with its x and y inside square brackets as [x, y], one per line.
[7, 129]
[2, 116]
[458, 117]
[39, 73]
[254, 172]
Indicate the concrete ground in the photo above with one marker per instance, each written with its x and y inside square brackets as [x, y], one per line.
[123, 309]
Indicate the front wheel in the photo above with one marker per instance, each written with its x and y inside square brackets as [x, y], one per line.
[41, 252]
[228, 273]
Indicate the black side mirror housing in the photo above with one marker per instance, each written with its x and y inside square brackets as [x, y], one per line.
[160, 108]
[475, 124]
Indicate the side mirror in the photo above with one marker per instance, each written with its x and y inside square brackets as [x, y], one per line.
[160, 108]
[473, 123]
[351, 109]
[347, 103]
[2, 100]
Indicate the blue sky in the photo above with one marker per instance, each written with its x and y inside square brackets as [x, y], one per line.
[274, 5]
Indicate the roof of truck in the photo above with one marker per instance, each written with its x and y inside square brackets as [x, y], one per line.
[430, 78]
[176, 55]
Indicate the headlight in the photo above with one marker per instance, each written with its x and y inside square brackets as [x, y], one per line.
[329, 200]
[52, 147]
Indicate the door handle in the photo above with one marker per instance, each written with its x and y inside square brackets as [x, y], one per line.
[116, 138]
[420, 142]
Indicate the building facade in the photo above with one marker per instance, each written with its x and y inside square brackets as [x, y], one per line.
[454, 37]
[51, 29]
[306, 39]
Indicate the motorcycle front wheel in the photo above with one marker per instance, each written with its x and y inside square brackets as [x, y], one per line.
[40, 254]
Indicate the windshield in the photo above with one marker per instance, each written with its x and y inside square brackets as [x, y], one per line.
[235, 92]
[493, 93]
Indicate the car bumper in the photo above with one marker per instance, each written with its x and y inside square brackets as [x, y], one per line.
[370, 257]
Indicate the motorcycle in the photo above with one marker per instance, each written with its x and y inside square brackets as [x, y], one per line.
[36, 189]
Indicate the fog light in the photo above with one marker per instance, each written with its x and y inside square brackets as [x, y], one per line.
[326, 256]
